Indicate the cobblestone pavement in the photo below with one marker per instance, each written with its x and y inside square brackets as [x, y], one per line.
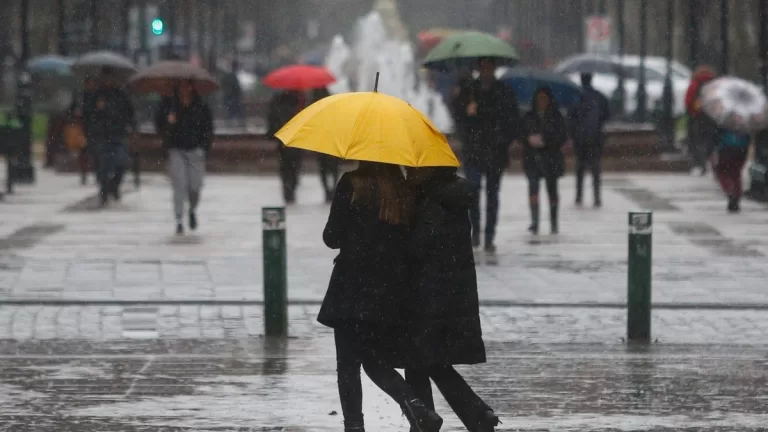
[54, 246]
[506, 324]
[262, 385]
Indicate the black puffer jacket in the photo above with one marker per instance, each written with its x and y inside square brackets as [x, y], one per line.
[369, 279]
[193, 128]
[445, 318]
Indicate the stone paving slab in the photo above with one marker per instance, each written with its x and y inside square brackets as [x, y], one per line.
[506, 324]
[53, 250]
[267, 385]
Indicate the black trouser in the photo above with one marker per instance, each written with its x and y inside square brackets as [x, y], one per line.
[588, 156]
[534, 186]
[493, 176]
[290, 169]
[467, 405]
[349, 357]
[329, 167]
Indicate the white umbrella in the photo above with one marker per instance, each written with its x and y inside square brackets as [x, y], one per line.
[735, 104]
[92, 64]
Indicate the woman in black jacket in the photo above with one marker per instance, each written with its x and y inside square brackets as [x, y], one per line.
[368, 223]
[444, 330]
[185, 124]
[544, 134]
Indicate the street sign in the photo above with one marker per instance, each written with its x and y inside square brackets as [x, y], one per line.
[600, 35]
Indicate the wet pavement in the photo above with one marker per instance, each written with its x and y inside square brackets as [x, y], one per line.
[109, 322]
[263, 385]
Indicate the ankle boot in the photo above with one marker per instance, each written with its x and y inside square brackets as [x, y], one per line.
[351, 428]
[534, 228]
[421, 418]
[487, 422]
[553, 210]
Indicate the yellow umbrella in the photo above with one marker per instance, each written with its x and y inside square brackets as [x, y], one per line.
[369, 126]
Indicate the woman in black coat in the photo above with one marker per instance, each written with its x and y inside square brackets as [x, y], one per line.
[365, 300]
[445, 327]
[544, 134]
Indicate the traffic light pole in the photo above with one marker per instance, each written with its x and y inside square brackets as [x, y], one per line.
[24, 170]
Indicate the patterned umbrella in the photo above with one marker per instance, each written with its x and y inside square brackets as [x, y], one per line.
[735, 104]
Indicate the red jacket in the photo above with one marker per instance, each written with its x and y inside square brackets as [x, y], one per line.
[700, 77]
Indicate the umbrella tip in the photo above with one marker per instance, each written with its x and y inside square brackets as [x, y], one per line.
[376, 84]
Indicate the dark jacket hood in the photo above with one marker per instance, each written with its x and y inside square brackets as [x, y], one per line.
[453, 191]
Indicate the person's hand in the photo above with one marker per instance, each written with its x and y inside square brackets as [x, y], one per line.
[536, 141]
[472, 109]
[172, 118]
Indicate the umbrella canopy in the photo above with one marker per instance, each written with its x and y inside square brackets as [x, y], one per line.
[163, 77]
[369, 126]
[50, 64]
[465, 48]
[299, 77]
[735, 104]
[525, 82]
[429, 39]
[91, 64]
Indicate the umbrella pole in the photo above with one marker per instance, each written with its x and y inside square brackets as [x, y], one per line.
[376, 83]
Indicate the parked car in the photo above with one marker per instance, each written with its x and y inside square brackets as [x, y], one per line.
[606, 71]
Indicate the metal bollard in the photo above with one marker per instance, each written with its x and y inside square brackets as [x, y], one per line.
[639, 277]
[275, 272]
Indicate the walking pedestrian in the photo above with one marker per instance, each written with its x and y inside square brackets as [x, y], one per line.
[185, 124]
[329, 165]
[110, 118]
[282, 107]
[492, 126]
[702, 130]
[544, 133]
[732, 151]
[444, 327]
[586, 121]
[233, 96]
[368, 224]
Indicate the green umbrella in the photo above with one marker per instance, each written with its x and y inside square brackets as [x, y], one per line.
[465, 48]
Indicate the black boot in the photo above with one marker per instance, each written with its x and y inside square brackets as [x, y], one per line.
[354, 428]
[487, 422]
[534, 228]
[553, 210]
[421, 418]
[733, 205]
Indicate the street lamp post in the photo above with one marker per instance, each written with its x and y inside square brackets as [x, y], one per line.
[24, 170]
[724, 66]
[764, 43]
[642, 95]
[619, 96]
[668, 120]
[172, 29]
[61, 30]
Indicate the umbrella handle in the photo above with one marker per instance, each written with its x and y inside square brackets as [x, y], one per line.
[376, 83]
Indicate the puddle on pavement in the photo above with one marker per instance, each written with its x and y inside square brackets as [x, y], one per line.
[708, 237]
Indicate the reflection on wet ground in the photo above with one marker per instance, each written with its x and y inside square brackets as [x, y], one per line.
[258, 385]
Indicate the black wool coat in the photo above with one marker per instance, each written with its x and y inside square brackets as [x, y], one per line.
[444, 311]
[369, 282]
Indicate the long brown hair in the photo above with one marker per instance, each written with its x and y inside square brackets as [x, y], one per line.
[382, 185]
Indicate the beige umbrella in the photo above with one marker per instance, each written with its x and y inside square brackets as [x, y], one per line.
[163, 77]
[92, 64]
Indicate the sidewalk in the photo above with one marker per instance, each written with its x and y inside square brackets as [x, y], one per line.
[257, 385]
[55, 247]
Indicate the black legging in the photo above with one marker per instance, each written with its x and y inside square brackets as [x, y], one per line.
[467, 405]
[349, 357]
[534, 186]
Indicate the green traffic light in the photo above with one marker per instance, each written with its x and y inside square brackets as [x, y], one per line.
[158, 26]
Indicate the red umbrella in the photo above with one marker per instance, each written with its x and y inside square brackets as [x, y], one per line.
[299, 77]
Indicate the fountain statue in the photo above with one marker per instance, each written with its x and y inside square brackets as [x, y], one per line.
[376, 50]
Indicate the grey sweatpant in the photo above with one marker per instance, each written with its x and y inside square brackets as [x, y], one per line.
[186, 169]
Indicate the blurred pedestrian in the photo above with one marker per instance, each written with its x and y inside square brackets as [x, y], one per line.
[444, 321]
[185, 124]
[233, 96]
[492, 126]
[702, 130]
[329, 165]
[544, 132]
[586, 121]
[732, 150]
[109, 119]
[73, 135]
[368, 224]
[282, 108]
